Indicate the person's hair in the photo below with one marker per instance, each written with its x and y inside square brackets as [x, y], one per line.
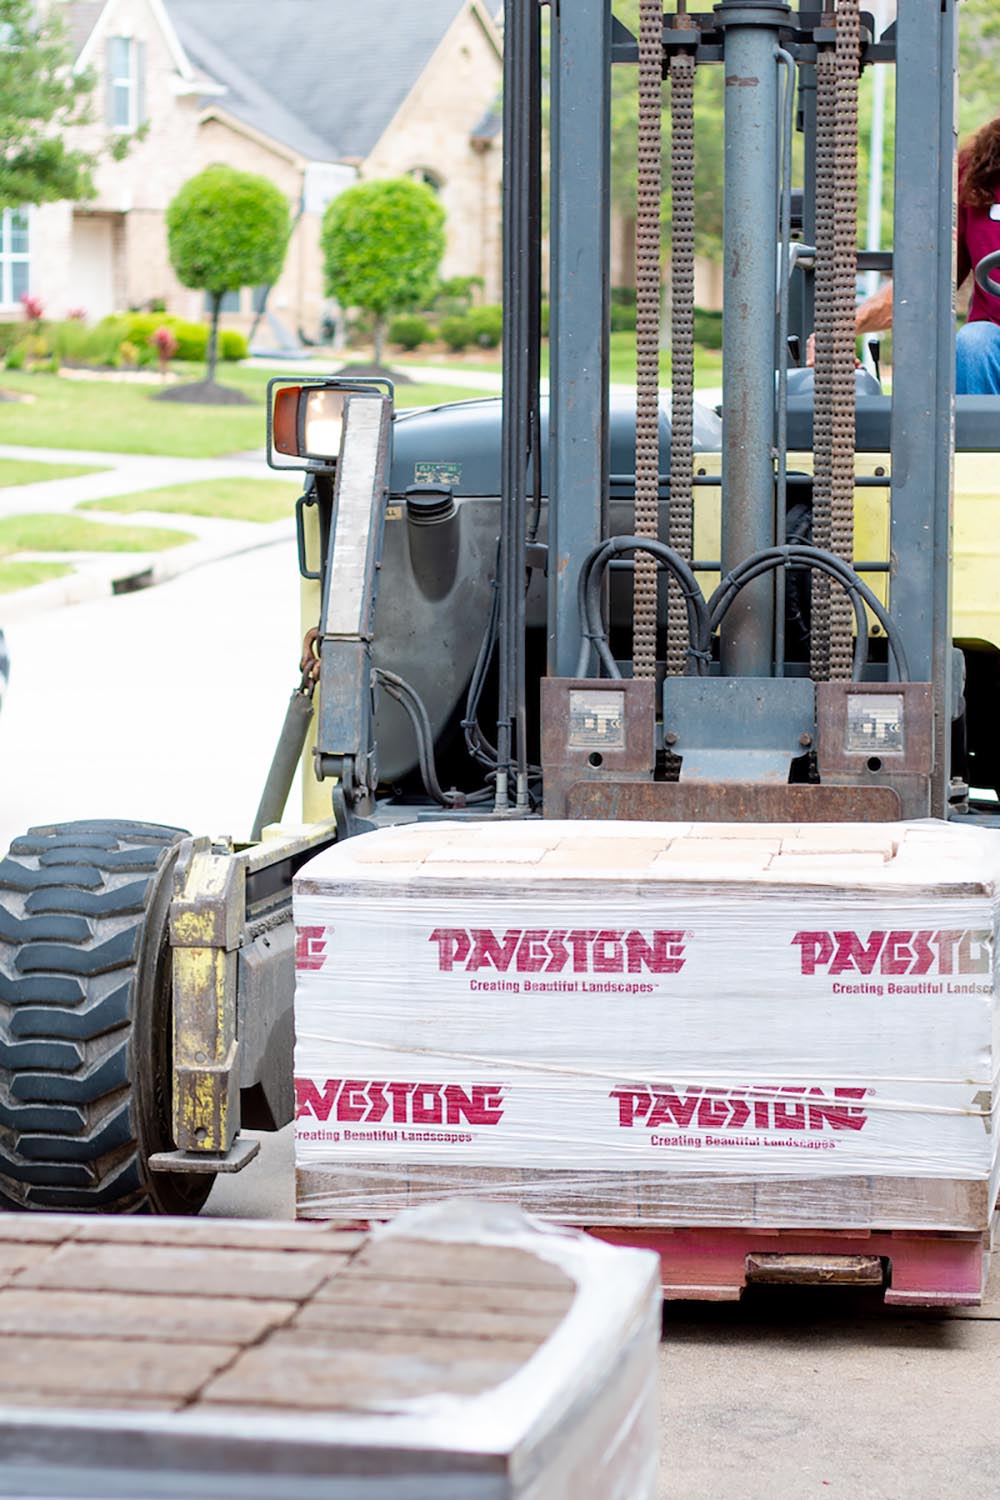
[979, 166]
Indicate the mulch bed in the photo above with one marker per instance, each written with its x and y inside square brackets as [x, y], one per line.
[204, 393]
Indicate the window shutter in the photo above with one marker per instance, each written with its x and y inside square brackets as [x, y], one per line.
[140, 83]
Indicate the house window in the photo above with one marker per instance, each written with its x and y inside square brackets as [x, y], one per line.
[125, 62]
[14, 255]
[428, 178]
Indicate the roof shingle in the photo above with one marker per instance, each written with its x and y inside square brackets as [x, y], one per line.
[325, 77]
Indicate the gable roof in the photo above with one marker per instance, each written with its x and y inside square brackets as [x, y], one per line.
[323, 76]
[80, 18]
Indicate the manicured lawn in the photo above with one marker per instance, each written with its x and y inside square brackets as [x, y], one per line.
[115, 417]
[72, 533]
[621, 364]
[230, 499]
[118, 418]
[23, 575]
[29, 471]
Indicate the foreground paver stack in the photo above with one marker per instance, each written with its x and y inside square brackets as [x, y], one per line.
[638, 1024]
[459, 1352]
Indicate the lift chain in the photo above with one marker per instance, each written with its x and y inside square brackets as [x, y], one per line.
[819, 620]
[836, 270]
[680, 533]
[649, 190]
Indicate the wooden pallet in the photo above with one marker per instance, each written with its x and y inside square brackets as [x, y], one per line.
[349, 1192]
[286, 1353]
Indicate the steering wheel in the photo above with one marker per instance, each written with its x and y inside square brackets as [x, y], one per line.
[982, 273]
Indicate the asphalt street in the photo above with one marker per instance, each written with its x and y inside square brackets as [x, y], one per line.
[161, 705]
[164, 705]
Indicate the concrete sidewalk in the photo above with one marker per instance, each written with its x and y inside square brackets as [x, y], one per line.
[99, 573]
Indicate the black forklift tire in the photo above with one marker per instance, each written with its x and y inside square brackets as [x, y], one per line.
[85, 1021]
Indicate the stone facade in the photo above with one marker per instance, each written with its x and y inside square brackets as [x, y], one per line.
[111, 253]
[433, 136]
[132, 194]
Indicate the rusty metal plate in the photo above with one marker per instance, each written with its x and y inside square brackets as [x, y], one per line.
[911, 754]
[731, 802]
[593, 730]
[619, 738]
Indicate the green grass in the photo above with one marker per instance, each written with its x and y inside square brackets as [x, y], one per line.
[621, 362]
[228, 499]
[114, 417]
[29, 471]
[24, 575]
[434, 395]
[77, 534]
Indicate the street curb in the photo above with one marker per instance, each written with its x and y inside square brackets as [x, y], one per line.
[160, 567]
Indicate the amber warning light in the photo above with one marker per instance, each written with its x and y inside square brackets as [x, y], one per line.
[285, 420]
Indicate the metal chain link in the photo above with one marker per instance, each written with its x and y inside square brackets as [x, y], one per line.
[826, 107]
[842, 408]
[680, 532]
[836, 266]
[309, 663]
[649, 189]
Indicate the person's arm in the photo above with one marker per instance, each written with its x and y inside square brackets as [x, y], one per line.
[875, 313]
[870, 316]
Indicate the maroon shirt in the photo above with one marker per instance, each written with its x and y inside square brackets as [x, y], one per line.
[978, 235]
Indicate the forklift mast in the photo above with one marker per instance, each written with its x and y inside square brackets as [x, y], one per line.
[733, 724]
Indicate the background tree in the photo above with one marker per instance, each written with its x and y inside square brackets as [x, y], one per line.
[382, 244]
[225, 230]
[978, 62]
[40, 98]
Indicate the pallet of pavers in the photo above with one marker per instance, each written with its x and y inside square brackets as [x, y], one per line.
[459, 1353]
[641, 1024]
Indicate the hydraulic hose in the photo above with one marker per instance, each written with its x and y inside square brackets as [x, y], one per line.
[816, 559]
[592, 627]
[410, 700]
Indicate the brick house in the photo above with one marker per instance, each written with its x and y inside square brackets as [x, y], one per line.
[311, 96]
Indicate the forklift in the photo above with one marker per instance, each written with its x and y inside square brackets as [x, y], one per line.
[574, 606]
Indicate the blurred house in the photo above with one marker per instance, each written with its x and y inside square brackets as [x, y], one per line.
[313, 96]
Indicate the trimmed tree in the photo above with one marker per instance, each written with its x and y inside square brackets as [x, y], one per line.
[382, 244]
[225, 230]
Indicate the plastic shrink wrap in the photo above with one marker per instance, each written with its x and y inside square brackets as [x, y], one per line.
[638, 1024]
[462, 1351]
